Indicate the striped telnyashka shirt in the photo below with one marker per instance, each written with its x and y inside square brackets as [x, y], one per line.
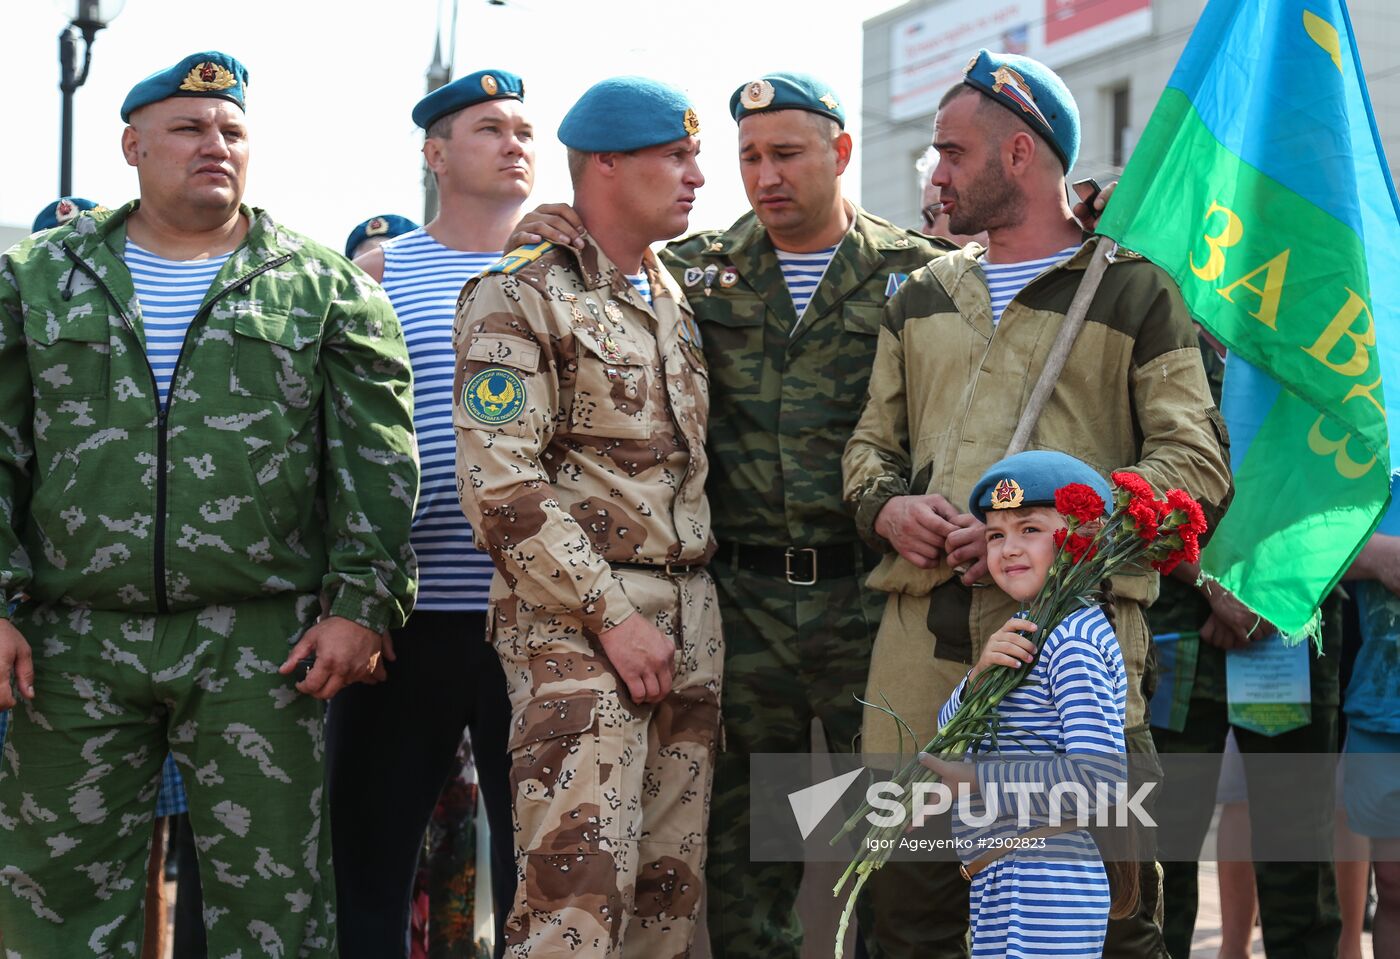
[1005, 280]
[423, 279]
[803, 272]
[170, 293]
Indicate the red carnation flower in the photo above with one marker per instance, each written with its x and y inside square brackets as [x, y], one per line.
[1135, 485]
[1080, 547]
[1079, 501]
[1143, 517]
[1195, 516]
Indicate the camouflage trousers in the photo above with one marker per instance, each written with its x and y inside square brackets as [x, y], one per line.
[113, 693]
[792, 653]
[921, 908]
[610, 798]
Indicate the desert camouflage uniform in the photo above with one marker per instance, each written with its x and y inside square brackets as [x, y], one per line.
[946, 394]
[581, 464]
[1298, 908]
[784, 404]
[170, 558]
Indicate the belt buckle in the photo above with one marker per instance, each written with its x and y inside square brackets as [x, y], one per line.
[787, 565]
[962, 871]
[676, 570]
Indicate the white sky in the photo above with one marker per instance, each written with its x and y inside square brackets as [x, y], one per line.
[332, 84]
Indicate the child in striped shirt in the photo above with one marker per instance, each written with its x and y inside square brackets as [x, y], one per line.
[1038, 889]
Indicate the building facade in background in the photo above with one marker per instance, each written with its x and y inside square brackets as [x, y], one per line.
[1115, 55]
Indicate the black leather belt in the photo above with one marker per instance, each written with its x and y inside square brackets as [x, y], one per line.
[662, 569]
[799, 565]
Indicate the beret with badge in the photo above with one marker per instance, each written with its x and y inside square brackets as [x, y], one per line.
[207, 74]
[786, 91]
[1031, 479]
[467, 91]
[61, 211]
[389, 225]
[1033, 92]
[622, 114]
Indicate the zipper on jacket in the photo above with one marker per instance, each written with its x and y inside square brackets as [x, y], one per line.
[163, 409]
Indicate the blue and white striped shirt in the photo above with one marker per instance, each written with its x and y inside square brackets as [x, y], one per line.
[1069, 712]
[170, 293]
[1005, 280]
[423, 279]
[803, 272]
[641, 284]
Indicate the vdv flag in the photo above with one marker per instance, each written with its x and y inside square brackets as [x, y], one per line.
[1260, 185]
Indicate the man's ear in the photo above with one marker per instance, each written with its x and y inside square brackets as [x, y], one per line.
[843, 147]
[605, 163]
[131, 145]
[434, 154]
[1021, 150]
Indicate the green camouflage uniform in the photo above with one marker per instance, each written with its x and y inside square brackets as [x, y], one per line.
[169, 558]
[783, 404]
[1298, 906]
[581, 464]
[946, 393]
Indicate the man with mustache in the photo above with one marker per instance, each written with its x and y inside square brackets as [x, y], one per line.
[207, 473]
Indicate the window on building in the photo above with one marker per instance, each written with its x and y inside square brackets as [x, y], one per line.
[1121, 131]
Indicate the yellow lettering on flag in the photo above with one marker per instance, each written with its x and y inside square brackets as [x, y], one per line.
[1276, 269]
[1340, 326]
[1369, 392]
[1228, 236]
[1344, 464]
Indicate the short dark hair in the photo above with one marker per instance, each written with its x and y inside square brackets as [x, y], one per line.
[1000, 119]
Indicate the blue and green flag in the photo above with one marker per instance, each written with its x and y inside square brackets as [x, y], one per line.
[1260, 185]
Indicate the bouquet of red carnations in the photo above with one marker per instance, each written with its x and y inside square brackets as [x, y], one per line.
[1140, 530]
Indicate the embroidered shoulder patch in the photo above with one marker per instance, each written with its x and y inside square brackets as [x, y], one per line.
[494, 396]
[520, 257]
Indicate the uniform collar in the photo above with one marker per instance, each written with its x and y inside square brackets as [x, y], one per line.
[599, 272]
[90, 235]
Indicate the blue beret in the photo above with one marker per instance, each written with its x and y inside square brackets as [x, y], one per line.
[1030, 479]
[388, 226]
[207, 74]
[61, 211]
[467, 91]
[621, 114]
[786, 91]
[1035, 93]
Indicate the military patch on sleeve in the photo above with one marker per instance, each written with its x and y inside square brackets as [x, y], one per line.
[520, 257]
[494, 396]
[893, 284]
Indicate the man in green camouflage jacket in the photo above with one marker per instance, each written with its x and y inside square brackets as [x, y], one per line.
[172, 540]
[786, 387]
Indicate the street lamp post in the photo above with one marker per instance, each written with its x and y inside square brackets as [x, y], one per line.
[85, 18]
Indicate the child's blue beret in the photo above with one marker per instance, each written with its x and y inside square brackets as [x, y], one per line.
[1030, 479]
